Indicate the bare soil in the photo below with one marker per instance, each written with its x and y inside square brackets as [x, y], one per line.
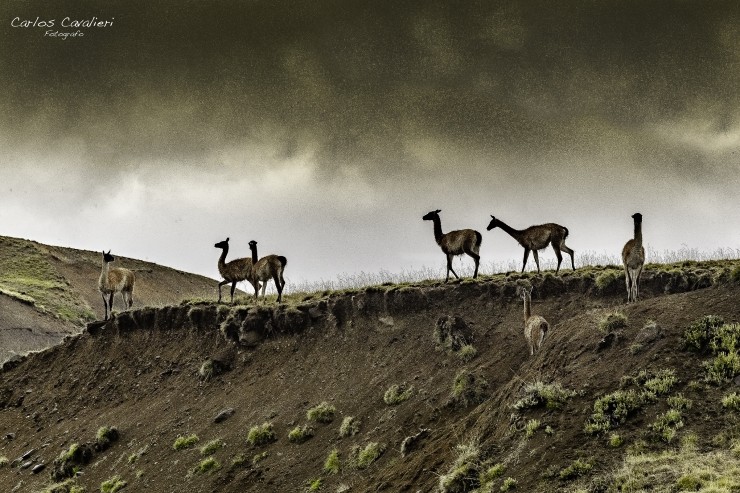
[140, 374]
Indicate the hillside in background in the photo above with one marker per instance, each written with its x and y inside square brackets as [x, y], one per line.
[49, 292]
[425, 387]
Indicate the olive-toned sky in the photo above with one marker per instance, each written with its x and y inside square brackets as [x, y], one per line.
[325, 129]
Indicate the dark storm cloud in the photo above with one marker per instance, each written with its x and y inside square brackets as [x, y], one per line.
[358, 81]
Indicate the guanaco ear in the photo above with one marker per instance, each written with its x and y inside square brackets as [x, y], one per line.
[492, 217]
[227, 240]
[438, 211]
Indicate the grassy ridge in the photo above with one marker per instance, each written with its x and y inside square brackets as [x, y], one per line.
[27, 275]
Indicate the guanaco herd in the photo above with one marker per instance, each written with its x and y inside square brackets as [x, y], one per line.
[535, 238]
[258, 272]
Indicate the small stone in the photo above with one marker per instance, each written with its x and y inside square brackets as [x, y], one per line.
[26, 464]
[223, 415]
[38, 468]
[387, 321]
[28, 454]
[10, 436]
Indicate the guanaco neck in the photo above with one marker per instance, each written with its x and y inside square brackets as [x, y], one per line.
[254, 253]
[527, 307]
[638, 234]
[514, 233]
[222, 258]
[104, 271]
[437, 229]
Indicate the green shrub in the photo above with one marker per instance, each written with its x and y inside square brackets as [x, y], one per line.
[322, 413]
[257, 458]
[612, 322]
[112, 485]
[211, 447]
[261, 434]
[679, 402]
[508, 484]
[608, 280]
[468, 389]
[530, 427]
[207, 465]
[396, 394]
[667, 424]
[3, 461]
[661, 383]
[300, 434]
[615, 440]
[699, 334]
[331, 464]
[106, 436]
[239, 461]
[350, 426]
[314, 484]
[363, 457]
[467, 352]
[735, 274]
[490, 474]
[732, 401]
[464, 475]
[613, 410]
[688, 482]
[185, 442]
[538, 394]
[722, 368]
[577, 469]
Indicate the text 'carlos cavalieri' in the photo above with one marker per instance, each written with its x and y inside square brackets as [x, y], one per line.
[66, 23]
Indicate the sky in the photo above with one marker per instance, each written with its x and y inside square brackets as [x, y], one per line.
[325, 130]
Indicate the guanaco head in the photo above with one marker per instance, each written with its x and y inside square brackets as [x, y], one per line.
[524, 292]
[637, 217]
[492, 224]
[252, 245]
[222, 244]
[107, 257]
[430, 216]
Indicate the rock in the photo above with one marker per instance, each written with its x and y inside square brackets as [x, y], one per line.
[410, 443]
[27, 464]
[38, 468]
[737, 380]
[387, 321]
[223, 415]
[651, 332]
[10, 436]
[27, 454]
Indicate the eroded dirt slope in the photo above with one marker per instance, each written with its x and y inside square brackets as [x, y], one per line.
[140, 374]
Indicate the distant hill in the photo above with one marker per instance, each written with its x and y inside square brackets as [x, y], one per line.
[49, 292]
[397, 388]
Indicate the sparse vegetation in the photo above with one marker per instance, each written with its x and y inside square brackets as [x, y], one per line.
[68, 463]
[211, 447]
[396, 394]
[314, 484]
[613, 321]
[536, 394]
[575, 470]
[350, 426]
[508, 484]
[732, 401]
[112, 485]
[239, 461]
[259, 458]
[615, 440]
[332, 463]
[666, 425]
[207, 465]
[468, 389]
[613, 410]
[464, 475]
[261, 434]
[3, 461]
[364, 456]
[701, 333]
[300, 434]
[67, 486]
[467, 353]
[185, 442]
[322, 413]
[530, 427]
[106, 436]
